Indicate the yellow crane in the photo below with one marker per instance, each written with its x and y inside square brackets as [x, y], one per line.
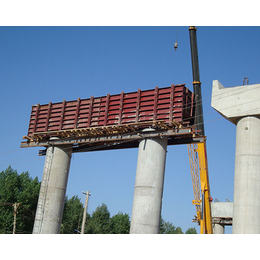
[197, 151]
[200, 181]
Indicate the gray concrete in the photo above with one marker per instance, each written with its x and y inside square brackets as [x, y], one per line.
[235, 102]
[53, 190]
[247, 177]
[222, 214]
[222, 209]
[218, 229]
[241, 106]
[147, 203]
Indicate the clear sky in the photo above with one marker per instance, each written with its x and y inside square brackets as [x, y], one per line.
[42, 64]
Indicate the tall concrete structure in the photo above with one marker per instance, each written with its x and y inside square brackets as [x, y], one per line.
[53, 190]
[241, 106]
[147, 203]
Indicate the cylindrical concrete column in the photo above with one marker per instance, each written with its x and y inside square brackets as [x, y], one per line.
[147, 203]
[53, 190]
[246, 211]
[218, 229]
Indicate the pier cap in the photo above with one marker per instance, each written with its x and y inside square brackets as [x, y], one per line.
[234, 103]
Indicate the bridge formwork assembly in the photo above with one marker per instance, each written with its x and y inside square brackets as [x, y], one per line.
[150, 120]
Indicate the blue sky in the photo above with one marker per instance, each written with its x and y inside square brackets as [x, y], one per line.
[42, 64]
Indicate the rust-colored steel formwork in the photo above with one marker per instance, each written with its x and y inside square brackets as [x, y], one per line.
[170, 104]
[161, 108]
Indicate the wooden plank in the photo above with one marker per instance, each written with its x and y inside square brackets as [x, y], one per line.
[99, 130]
[28, 138]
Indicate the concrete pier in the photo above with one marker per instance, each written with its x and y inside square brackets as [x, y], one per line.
[222, 215]
[247, 177]
[53, 190]
[241, 106]
[218, 229]
[147, 203]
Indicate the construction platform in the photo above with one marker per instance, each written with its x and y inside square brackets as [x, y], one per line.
[113, 137]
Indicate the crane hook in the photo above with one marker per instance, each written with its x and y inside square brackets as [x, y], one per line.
[175, 45]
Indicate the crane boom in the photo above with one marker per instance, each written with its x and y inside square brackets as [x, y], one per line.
[206, 218]
[197, 152]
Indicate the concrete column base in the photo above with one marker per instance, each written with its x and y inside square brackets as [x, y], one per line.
[218, 229]
[147, 203]
[246, 211]
[53, 190]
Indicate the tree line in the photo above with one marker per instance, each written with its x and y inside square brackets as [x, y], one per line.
[23, 189]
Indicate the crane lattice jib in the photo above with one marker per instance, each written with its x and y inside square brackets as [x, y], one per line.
[200, 182]
[193, 159]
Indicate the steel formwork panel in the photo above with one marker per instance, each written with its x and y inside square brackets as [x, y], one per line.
[171, 104]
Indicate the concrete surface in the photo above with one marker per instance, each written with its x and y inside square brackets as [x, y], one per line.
[218, 229]
[235, 102]
[241, 106]
[247, 177]
[222, 214]
[222, 209]
[147, 203]
[53, 190]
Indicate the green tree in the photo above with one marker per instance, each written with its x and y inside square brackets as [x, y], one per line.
[169, 228]
[99, 221]
[120, 224]
[191, 231]
[72, 215]
[162, 229]
[15, 188]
